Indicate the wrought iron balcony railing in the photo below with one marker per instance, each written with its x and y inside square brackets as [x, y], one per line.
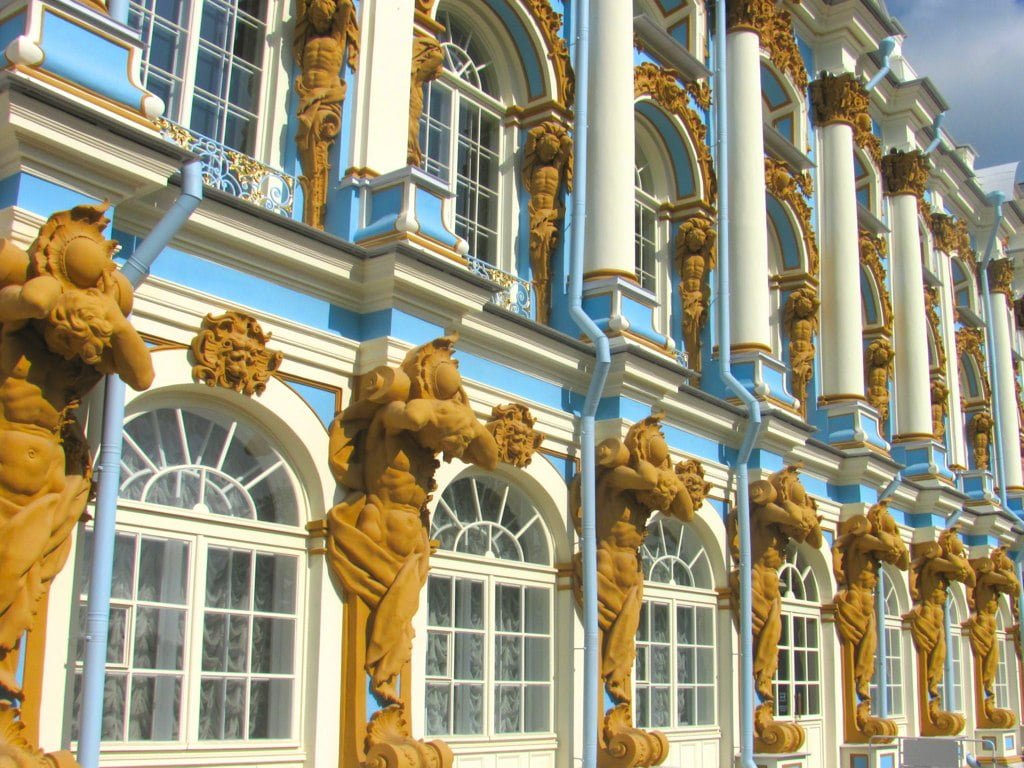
[516, 294]
[233, 172]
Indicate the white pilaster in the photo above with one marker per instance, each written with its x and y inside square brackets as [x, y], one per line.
[913, 398]
[610, 160]
[748, 219]
[1007, 407]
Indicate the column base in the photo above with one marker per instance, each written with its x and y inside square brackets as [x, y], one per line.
[869, 755]
[620, 307]
[980, 487]
[762, 374]
[791, 760]
[1003, 750]
[850, 424]
[924, 458]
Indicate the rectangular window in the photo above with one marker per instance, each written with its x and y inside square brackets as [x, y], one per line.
[1002, 686]
[646, 244]
[798, 678]
[894, 673]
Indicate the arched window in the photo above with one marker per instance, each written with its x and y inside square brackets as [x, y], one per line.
[1006, 671]
[647, 240]
[490, 600]
[893, 653]
[461, 137]
[955, 651]
[963, 286]
[208, 587]
[798, 677]
[675, 663]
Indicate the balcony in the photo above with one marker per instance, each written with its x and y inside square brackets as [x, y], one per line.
[516, 294]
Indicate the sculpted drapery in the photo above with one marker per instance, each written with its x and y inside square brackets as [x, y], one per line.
[63, 326]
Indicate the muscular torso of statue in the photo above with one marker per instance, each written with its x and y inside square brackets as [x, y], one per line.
[322, 58]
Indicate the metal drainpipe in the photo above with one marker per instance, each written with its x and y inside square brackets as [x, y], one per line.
[109, 468]
[936, 128]
[118, 10]
[996, 199]
[753, 428]
[886, 47]
[602, 362]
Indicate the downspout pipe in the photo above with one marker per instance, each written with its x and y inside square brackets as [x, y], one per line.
[996, 199]
[118, 10]
[109, 469]
[753, 426]
[886, 47]
[599, 375]
[936, 132]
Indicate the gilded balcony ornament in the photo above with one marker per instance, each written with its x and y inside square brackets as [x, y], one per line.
[326, 37]
[936, 564]
[872, 251]
[231, 352]
[1000, 278]
[635, 478]
[863, 543]
[905, 173]
[546, 172]
[427, 65]
[794, 189]
[940, 408]
[696, 255]
[63, 326]
[995, 575]
[662, 87]
[931, 309]
[781, 512]
[550, 23]
[838, 99]
[801, 322]
[384, 451]
[512, 427]
[878, 369]
[979, 435]
[970, 344]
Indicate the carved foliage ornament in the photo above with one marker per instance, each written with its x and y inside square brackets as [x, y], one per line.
[872, 250]
[231, 352]
[931, 308]
[793, 190]
[696, 256]
[1000, 278]
[801, 322]
[63, 326]
[838, 99]
[662, 87]
[512, 428]
[905, 173]
[878, 368]
[326, 37]
[550, 24]
[950, 234]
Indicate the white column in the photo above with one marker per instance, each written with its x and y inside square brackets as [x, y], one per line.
[1007, 407]
[610, 160]
[913, 397]
[842, 364]
[748, 218]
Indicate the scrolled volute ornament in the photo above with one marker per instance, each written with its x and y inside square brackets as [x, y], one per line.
[231, 352]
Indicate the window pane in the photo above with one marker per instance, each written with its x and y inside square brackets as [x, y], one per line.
[508, 708]
[272, 645]
[270, 707]
[155, 704]
[468, 709]
[438, 709]
[163, 571]
[159, 638]
[275, 583]
[538, 708]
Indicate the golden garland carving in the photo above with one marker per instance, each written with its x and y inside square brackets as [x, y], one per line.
[231, 352]
[661, 86]
[696, 256]
[780, 512]
[940, 408]
[550, 24]
[949, 234]
[384, 451]
[979, 435]
[838, 99]
[547, 170]
[793, 190]
[970, 342]
[863, 543]
[635, 478]
[774, 27]
[700, 92]
[936, 564]
[878, 369]
[1000, 277]
[63, 326]
[427, 65]
[931, 309]
[905, 173]
[995, 575]
[872, 250]
[326, 36]
[801, 322]
[751, 15]
[865, 138]
[512, 428]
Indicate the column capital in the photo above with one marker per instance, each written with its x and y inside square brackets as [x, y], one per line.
[1000, 276]
[750, 15]
[838, 99]
[905, 173]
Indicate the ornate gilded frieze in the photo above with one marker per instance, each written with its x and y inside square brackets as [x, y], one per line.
[931, 309]
[326, 36]
[700, 91]
[878, 369]
[1000, 278]
[970, 343]
[995, 575]
[794, 189]
[546, 172]
[550, 23]
[801, 322]
[751, 15]
[512, 428]
[231, 352]
[863, 544]
[635, 478]
[779, 40]
[949, 234]
[64, 327]
[661, 86]
[940, 408]
[384, 451]
[873, 250]
[696, 255]
[838, 99]
[905, 173]
[979, 435]
[781, 512]
[936, 564]
[427, 65]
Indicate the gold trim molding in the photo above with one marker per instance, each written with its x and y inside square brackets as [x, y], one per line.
[794, 189]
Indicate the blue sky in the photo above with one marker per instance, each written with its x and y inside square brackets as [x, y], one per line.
[973, 50]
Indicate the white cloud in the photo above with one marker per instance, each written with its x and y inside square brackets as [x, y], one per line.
[972, 51]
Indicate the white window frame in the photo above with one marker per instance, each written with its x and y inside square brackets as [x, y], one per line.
[894, 658]
[650, 194]
[795, 575]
